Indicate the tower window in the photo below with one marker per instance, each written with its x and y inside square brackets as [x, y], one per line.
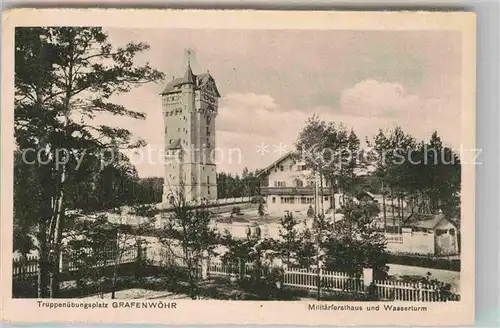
[179, 130]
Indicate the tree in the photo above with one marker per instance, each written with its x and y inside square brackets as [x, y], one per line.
[27, 200]
[98, 247]
[190, 237]
[355, 243]
[64, 76]
[325, 148]
[289, 238]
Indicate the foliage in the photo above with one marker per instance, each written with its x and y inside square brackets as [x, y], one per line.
[289, 242]
[236, 210]
[310, 212]
[261, 209]
[355, 243]
[189, 236]
[424, 261]
[329, 149]
[95, 245]
[425, 174]
[64, 77]
[229, 186]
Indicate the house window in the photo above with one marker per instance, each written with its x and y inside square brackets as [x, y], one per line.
[179, 130]
[279, 184]
[287, 200]
[208, 180]
[298, 183]
[274, 200]
[306, 200]
[282, 168]
[452, 232]
[326, 199]
[291, 167]
[310, 183]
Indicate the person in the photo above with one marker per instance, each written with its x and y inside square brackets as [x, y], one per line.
[257, 232]
[248, 231]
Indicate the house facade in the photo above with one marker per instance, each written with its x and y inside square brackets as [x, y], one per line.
[287, 185]
[190, 106]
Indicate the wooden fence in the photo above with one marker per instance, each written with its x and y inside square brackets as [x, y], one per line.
[297, 278]
[29, 267]
[386, 290]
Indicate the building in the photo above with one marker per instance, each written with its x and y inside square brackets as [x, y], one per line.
[288, 186]
[190, 106]
[432, 234]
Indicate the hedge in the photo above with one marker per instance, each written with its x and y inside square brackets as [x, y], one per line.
[425, 262]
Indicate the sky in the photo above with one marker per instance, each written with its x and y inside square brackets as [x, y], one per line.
[272, 81]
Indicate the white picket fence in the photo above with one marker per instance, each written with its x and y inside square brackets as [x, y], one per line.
[296, 278]
[29, 267]
[404, 291]
[338, 281]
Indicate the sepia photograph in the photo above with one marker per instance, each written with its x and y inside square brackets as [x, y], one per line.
[155, 165]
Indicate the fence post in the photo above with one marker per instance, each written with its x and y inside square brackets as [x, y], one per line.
[368, 282]
[420, 291]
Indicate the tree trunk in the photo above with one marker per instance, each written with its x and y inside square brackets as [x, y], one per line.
[113, 283]
[321, 193]
[392, 210]
[332, 198]
[42, 259]
[383, 207]
[59, 226]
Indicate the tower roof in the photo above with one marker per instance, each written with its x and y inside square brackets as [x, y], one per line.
[199, 81]
[189, 77]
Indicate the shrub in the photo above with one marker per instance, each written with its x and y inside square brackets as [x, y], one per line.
[422, 261]
[261, 210]
[257, 200]
[236, 210]
[310, 212]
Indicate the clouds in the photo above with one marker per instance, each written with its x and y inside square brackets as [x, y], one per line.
[272, 81]
[373, 98]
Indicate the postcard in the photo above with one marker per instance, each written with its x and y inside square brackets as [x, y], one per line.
[232, 166]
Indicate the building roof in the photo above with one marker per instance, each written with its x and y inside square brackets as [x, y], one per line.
[199, 81]
[366, 193]
[430, 221]
[275, 163]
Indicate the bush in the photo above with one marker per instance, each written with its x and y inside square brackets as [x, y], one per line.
[236, 210]
[261, 210]
[425, 262]
[257, 200]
